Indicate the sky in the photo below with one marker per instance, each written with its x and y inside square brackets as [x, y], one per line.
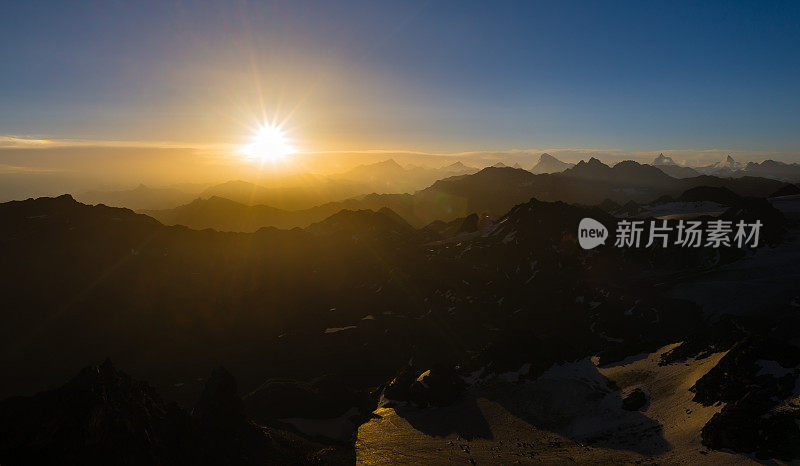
[694, 79]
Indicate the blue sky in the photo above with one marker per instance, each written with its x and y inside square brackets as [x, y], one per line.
[426, 76]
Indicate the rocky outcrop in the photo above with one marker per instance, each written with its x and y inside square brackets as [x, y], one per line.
[635, 400]
[756, 380]
[438, 386]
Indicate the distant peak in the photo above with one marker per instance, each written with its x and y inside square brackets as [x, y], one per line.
[663, 160]
[388, 163]
[500, 165]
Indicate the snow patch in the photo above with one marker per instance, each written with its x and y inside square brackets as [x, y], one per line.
[339, 329]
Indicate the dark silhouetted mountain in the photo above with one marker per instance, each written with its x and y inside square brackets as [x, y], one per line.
[226, 215]
[103, 416]
[288, 193]
[627, 173]
[786, 190]
[592, 169]
[383, 224]
[549, 164]
[492, 189]
[743, 186]
[775, 170]
[677, 171]
[720, 195]
[25, 218]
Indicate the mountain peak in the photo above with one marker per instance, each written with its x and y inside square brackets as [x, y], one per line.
[549, 164]
[663, 160]
[594, 162]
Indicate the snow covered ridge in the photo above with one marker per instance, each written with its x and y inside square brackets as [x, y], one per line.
[620, 413]
[697, 410]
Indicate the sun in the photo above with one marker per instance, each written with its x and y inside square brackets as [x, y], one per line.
[269, 144]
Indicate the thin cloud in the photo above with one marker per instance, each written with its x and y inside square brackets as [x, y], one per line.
[15, 169]
[23, 142]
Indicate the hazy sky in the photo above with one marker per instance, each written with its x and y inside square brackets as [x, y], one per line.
[438, 76]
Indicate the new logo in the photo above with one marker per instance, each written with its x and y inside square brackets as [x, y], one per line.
[591, 233]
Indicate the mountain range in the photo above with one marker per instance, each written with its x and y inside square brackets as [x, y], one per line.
[362, 313]
[491, 191]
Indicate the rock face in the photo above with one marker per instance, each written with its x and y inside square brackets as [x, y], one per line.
[104, 417]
